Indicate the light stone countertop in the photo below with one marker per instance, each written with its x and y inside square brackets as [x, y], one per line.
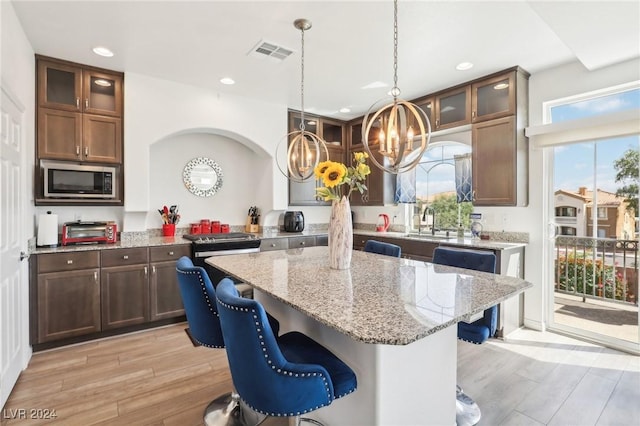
[380, 299]
[125, 243]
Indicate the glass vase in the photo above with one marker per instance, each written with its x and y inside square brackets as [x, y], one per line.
[340, 234]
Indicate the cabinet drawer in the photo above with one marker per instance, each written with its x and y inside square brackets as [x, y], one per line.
[269, 244]
[167, 253]
[301, 242]
[120, 257]
[60, 262]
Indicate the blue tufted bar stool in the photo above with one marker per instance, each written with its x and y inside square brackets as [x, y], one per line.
[467, 411]
[199, 300]
[379, 247]
[284, 377]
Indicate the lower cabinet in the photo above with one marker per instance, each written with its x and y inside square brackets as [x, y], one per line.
[80, 293]
[124, 287]
[284, 243]
[411, 249]
[164, 292]
[68, 296]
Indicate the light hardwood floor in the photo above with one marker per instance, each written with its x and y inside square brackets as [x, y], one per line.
[158, 378]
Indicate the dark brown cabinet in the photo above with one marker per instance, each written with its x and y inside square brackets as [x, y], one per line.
[499, 146]
[164, 292]
[411, 249]
[67, 296]
[494, 97]
[334, 134]
[380, 184]
[124, 287]
[452, 108]
[79, 115]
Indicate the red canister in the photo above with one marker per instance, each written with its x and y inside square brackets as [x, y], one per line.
[224, 228]
[205, 226]
[195, 228]
[215, 227]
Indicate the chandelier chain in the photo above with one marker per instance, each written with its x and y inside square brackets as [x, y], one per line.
[302, 82]
[395, 91]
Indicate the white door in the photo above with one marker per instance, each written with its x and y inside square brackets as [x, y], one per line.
[13, 286]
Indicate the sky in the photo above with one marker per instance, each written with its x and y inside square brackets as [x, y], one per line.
[575, 165]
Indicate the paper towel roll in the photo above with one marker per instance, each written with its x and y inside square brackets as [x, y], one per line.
[48, 230]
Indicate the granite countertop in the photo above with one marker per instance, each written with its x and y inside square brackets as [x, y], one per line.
[380, 299]
[125, 243]
[453, 241]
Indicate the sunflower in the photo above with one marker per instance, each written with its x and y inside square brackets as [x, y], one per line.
[333, 174]
[320, 169]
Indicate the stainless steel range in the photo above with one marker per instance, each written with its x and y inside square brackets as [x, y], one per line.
[207, 245]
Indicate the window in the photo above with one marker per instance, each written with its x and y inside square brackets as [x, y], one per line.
[566, 211]
[602, 212]
[436, 197]
[567, 230]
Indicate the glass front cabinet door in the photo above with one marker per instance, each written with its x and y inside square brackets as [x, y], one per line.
[60, 86]
[453, 108]
[493, 98]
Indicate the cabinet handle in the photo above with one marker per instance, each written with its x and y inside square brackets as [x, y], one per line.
[95, 277]
[125, 257]
[86, 103]
[78, 150]
[86, 151]
[170, 253]
[146, 271]
[153, 269]
[437, 123]
[77, 103]
[69, 262]
[302, 243]
[273, 244]
[473, 114]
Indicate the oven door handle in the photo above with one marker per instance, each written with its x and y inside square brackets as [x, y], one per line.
[225, 252]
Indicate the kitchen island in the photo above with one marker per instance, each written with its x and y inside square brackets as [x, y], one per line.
[391, 320]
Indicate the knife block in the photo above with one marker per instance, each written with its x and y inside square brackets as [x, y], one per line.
[250, 227]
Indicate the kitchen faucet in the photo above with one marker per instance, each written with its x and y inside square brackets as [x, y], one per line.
[424, 219]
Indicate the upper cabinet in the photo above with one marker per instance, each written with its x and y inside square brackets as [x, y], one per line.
[79, 114]
[494, 97]
[333, 132]
[499, 146]
[452, 108]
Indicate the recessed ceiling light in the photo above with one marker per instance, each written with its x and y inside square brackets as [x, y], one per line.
[501, 86]
[227, 81]
[345, 110]
[102, 51]
[103, 83]
[463, 66]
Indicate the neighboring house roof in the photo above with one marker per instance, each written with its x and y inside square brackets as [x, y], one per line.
[605, 198]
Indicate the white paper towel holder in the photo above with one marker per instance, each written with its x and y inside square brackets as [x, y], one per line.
[48, 230]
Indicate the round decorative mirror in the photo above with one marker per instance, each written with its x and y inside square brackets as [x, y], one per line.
[202, 176]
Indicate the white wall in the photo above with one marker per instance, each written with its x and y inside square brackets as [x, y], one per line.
[156, 109]
[241, 170]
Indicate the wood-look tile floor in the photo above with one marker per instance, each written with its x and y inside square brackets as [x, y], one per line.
[157, 377]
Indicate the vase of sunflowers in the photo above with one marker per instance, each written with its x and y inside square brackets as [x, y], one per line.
[339, 181]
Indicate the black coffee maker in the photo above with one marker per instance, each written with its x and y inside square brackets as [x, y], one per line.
[293, 221]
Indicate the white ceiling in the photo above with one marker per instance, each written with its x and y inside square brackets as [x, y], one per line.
[349, 46]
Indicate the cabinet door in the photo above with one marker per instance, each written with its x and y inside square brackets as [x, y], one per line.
[166, 301]
[494, 162]
[453, 108]
[124, 295]
[102, 139]
[426, 105]
[493, 98]
[59, 86]
[333, 132]
[380, 185]
[59, 134]
[68, 304]
[102, 93]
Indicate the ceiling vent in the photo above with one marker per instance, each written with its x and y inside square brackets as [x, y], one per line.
[265, 49]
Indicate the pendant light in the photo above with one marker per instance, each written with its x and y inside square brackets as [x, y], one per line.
[305, 148]
[401, 125]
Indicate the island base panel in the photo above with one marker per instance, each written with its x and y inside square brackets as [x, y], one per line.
[397, 384]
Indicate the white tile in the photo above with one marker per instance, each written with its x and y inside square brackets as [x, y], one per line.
[585, 404]
[623, 407]
[518, 419]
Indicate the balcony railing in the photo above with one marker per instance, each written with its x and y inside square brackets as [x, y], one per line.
[598, 268]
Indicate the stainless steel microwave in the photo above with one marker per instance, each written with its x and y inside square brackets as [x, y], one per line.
[73, 180]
